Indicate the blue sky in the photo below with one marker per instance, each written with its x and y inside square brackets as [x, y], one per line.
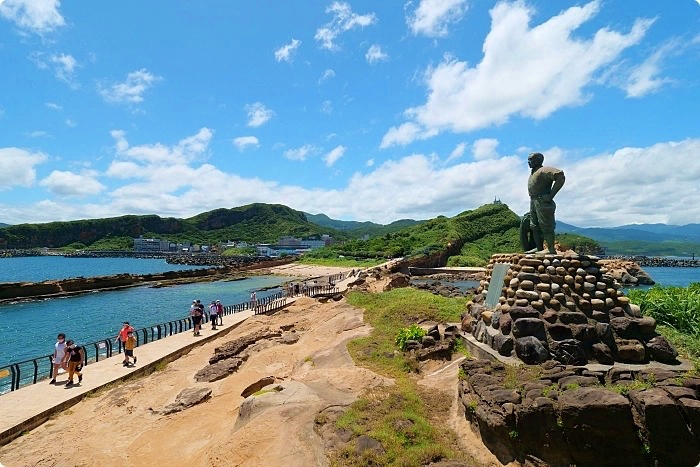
[361, 110]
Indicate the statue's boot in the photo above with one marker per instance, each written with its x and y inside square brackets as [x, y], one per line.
[539, 241]
[549, 238]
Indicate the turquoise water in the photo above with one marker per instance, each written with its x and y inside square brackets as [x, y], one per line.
[41, 268]
[679, 277]
[29, 329]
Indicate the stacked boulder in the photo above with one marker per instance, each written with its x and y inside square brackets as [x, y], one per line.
[433, 346]
[563, 307]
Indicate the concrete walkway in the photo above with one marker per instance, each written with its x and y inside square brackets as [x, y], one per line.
[30, 406]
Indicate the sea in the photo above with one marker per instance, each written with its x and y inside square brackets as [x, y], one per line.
[28, 329]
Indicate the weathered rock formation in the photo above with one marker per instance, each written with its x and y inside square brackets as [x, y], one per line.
[626, 272]
[186, 399]
[567, 308]
[567, 415]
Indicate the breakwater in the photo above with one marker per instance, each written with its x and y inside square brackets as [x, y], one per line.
[19, 253]
[658, 262]
[11, 291]
[189, 259]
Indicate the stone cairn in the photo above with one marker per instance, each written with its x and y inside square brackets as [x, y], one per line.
[566, 308]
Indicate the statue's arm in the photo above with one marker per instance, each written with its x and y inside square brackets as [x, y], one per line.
[559, 180]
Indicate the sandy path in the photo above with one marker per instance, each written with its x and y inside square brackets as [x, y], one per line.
[307, 270]
[116, 426]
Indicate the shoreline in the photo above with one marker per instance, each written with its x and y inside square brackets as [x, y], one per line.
[15, 292]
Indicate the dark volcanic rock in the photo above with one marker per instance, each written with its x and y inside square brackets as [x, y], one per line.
[529, 327]
[670, 440]
[630, 351]
[661, 350]
[365, 443]
[604, 420]
[626, 328]
[218, 370]
[530, 350]
[568, 351]
[602, 354]
[503, 344]
[235, 347]
[440, 351]
[518, 312]
[434, 332]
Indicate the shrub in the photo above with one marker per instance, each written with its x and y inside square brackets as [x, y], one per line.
[412, 332]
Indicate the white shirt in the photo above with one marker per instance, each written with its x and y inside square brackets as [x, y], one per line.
[60, 351]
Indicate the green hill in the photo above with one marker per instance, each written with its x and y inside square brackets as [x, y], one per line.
[359, 229]
[253, 223]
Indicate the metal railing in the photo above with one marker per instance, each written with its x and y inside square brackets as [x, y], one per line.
[26, 372]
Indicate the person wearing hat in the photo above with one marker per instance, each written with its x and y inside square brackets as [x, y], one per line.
[122, 337]
[76, 357]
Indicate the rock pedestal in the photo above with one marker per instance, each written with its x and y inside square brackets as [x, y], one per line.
[564, 307]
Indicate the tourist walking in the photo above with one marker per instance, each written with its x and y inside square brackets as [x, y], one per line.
[196, 314]
[220, 312]
[253, 300]
[129, 347]
[213, 314]
[122, 336]
[76, 357]
[59, 356]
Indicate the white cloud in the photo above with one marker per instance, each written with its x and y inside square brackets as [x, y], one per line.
[258, 114]
[38, 134]
[525, 71]
[63, 65]
[369, 163]
[300, 154]
[53, 106]
[333, 156]
[644, 78]
[344, 19]
[327, 74]
[151, 155]
[71, 123]
[432, 17]
[457, 152]
[17, 167]
[485, 148]
[130, 91]
[244, 142]
[72, 184]
[374, 54]
[327, 107]
[38, 16]
[286, 52]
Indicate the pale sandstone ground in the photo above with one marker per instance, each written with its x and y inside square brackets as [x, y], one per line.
[117, 427]
[307, 270]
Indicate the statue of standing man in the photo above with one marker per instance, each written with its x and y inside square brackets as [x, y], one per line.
[544, 183]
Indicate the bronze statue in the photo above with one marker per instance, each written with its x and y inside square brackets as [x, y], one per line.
[544, 183]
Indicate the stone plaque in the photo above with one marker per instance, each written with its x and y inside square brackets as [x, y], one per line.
[496, 285]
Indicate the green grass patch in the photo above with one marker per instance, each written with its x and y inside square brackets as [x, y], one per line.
[413, 332]
[674, 307]
[409, 421]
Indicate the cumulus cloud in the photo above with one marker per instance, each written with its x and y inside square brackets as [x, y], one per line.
[525, 71]
[300, 154]
[151, 155]
[71, 184]
[485, 149]
[17, 167]
[344, 19]
[131, 90]
[374, 54]
[433, 17]
[258, 114]
[63, 65]
[332, 157]
[286, 52]
[326, 75]
[244, 142]
[38, 16]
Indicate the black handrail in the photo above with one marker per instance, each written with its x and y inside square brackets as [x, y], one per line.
[103, 348]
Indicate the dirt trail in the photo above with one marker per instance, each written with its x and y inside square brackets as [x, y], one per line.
[117, 426]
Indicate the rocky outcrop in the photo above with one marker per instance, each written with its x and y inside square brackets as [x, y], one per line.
[444, 289]
[568, 415]
[565, 307]
[257, 386]
[626, 272]
[186, 399]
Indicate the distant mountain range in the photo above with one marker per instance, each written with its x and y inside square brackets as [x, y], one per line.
[3, 225]
[359, 229]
